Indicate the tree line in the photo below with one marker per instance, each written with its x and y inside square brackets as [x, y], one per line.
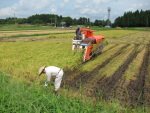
[52, 19]
[134, 19]
[129, 19]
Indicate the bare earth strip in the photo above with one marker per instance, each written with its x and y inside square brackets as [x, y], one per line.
[30, 32]
[130, 75]
[146, 91]
[75, 77]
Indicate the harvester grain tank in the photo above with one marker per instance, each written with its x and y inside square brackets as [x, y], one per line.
[90, 44]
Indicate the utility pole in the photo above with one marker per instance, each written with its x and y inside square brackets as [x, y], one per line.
[147, 21]
[55, 21]
[90, 21]
[109, 9]
[15, 20]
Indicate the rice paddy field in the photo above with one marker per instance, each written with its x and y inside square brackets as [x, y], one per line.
[117, 80]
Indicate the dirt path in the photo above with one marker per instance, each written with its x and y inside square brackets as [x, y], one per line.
[31, 32]
[31, 35]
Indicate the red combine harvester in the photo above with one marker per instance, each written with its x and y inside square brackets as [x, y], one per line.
[89, 43]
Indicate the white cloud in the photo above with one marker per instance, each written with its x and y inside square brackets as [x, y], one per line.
[66, 1]
[89, 11]
[25, 7]
[53, 8]
[34, 4]
[6, 12]
[62, 5]
[137, 5]
[100, 1]
[76, 6]
[91, 1]
[134, 7]
[82, 1]
[97, 9]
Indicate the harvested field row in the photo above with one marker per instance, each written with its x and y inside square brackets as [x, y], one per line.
[121, 71]
[136, 87]
[88, 64]
[86, 76]
[135, 38]
[131, 74]
[146, 90]
[108, 85]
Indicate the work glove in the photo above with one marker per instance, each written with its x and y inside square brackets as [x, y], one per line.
[46, 84]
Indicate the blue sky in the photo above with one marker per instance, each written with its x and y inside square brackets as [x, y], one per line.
[93, 9]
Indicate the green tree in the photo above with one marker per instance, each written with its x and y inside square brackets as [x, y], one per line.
[37, 21]
[68, 20]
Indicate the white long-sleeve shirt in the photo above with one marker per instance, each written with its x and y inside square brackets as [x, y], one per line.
[52, 71]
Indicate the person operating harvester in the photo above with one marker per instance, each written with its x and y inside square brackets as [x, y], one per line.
[78, 33]
[52, 71]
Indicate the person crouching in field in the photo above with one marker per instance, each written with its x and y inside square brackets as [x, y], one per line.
[52, 71]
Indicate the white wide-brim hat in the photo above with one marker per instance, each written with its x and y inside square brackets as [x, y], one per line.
[41, 69]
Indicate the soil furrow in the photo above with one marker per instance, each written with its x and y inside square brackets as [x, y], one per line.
[146, 93]
[82, 78]
[121, 92]
[136, 87]
[109, 84]
[71, 73]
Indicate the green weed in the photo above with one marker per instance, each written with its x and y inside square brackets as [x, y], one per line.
[20, 97]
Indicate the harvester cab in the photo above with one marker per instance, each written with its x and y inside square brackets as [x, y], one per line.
[88, 42]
